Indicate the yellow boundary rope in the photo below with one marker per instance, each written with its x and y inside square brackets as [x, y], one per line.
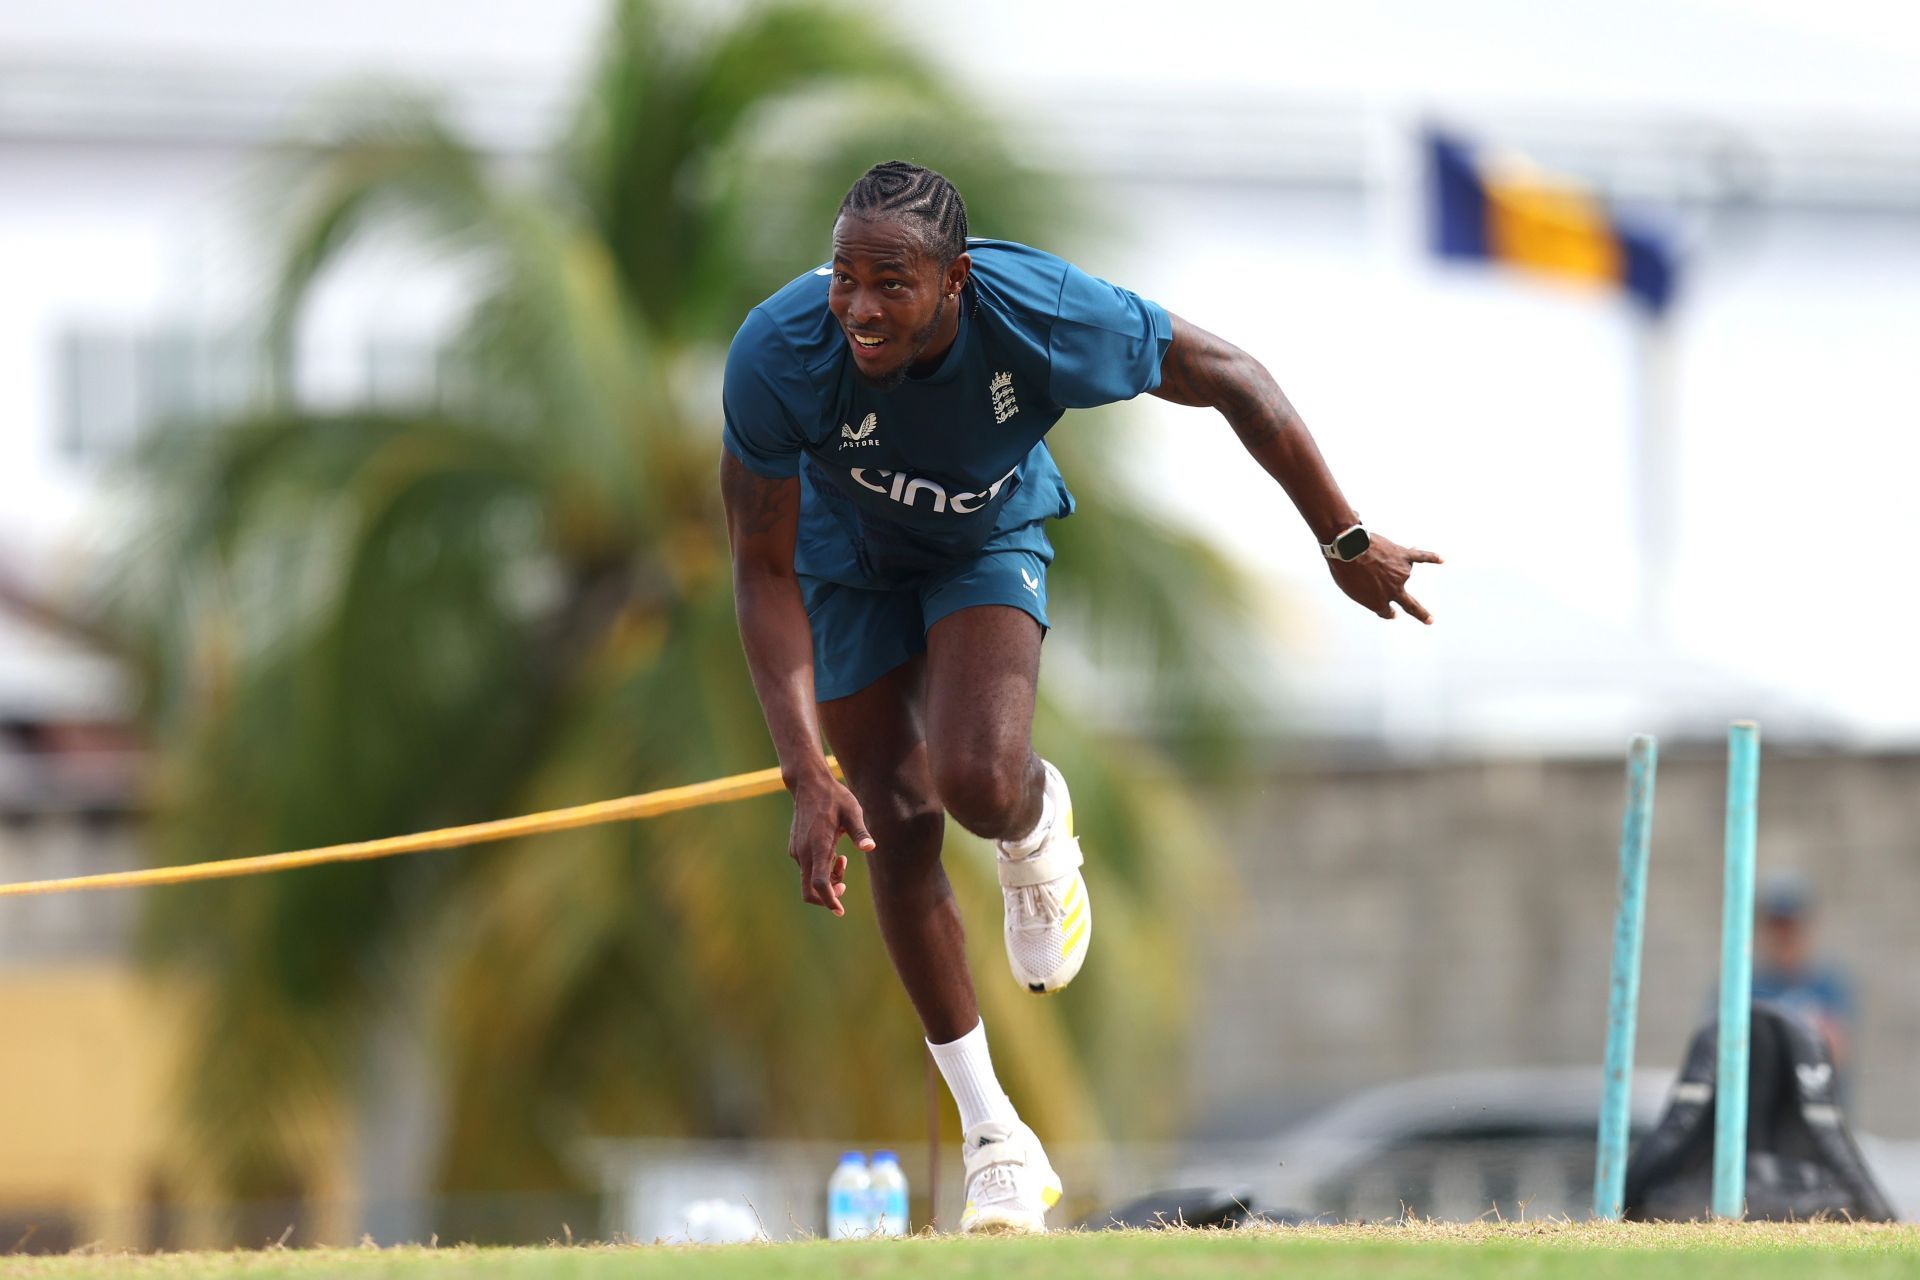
[651, 804]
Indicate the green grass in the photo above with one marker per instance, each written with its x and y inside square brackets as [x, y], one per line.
[1510, 1251]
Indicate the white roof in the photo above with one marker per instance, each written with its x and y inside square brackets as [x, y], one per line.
[46, 676]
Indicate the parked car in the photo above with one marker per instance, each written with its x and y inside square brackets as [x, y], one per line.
[1460, 1146]
[1512, 1144]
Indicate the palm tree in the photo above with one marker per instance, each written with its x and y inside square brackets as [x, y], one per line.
[514, 595]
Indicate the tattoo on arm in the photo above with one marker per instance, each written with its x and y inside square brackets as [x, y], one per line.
[1186, 376]
[1206, 371]
[1201, 369]
[758, 508]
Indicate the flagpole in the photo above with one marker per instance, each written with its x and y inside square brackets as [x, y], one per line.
[1655, 475]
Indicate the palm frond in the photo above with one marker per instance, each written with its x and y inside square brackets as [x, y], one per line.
[394, 160]
[653, 194]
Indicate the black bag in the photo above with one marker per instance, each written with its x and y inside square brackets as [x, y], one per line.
[1185, 1207]
[1801, 1159]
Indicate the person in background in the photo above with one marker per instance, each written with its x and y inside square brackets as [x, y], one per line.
[1789, 973]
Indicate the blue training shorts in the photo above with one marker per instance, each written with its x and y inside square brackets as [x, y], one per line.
[860, 634]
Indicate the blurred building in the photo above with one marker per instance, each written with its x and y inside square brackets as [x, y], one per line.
[1427, 849]
[1399, 920]
[84, 1056]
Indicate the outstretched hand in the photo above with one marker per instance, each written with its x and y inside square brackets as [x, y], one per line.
[1378, 579]
[820, 813]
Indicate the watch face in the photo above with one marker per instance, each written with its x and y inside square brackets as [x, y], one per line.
[1352, 544]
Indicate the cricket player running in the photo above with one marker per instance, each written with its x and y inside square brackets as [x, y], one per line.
[887, 487]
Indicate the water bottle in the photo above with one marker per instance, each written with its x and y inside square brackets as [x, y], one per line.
[888, 1195]
[847, 1198]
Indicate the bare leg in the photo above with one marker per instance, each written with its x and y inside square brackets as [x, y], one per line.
[983, 665]
[879, 734]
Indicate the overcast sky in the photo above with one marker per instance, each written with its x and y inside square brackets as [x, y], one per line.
[1798, 608]
[1829, 56]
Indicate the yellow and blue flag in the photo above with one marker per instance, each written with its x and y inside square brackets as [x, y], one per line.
[1514, 213]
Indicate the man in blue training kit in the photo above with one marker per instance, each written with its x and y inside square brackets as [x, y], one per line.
[886, 486]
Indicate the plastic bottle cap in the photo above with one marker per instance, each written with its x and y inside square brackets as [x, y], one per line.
[885, 1157]
[852, 1157]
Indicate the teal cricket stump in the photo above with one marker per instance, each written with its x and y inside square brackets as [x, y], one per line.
[1736, 973]
[1623, 1000]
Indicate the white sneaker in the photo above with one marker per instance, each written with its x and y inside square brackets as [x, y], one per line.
[1049, 919]
[1010, 1185]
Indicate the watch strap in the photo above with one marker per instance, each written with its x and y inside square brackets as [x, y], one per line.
[1331, 550]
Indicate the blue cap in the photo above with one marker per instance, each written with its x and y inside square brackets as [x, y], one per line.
[885, 1157]
[852, 1157]
[1786, 895]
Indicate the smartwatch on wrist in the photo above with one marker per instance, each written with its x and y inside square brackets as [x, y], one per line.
[1349, 544]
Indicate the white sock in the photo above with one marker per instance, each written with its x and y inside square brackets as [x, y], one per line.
[968, 1069]
[1030, 843]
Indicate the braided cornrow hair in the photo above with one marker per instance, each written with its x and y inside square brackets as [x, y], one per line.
[897, 189]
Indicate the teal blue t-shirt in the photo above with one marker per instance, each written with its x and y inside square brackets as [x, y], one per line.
[895, 484]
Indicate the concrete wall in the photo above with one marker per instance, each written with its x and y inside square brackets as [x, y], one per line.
[90, 1048]
[1396, 921]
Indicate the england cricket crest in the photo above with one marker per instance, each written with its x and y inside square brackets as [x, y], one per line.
[1000, 387]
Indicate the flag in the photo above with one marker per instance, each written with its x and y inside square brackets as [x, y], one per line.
[1511, 212]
